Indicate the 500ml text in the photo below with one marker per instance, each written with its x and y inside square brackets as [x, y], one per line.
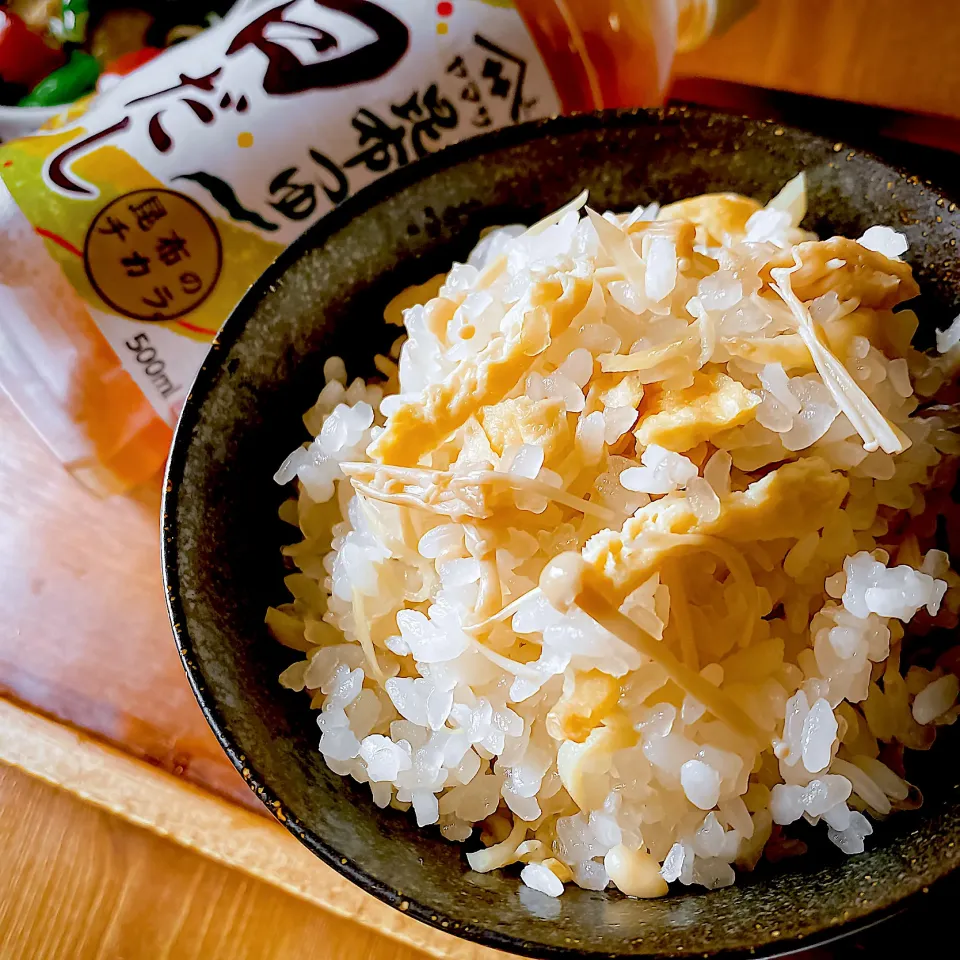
[153, 366]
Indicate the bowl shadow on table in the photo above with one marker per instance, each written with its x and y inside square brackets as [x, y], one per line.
[326, 296]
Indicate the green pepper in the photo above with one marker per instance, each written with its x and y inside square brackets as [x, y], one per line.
[69, 83]
[72, 26]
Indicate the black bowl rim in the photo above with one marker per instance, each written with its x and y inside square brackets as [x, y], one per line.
[364, 200]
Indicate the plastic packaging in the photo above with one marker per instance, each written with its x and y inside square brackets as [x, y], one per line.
[132, 226]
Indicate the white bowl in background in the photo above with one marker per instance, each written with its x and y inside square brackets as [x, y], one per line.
[20, 121]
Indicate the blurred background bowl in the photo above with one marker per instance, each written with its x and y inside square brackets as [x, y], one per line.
[109, 34]
[19, 121]
[222, 538]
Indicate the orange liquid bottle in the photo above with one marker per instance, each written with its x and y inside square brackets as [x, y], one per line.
[67, 379]
[618, 53]
[64, 376]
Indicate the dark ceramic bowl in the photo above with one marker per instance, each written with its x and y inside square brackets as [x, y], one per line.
[222, 538]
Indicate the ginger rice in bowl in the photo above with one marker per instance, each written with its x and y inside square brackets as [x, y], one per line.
[615, 569]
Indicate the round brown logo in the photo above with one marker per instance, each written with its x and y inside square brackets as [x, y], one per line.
[153, 254]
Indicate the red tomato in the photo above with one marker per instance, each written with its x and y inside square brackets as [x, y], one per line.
[25, 58]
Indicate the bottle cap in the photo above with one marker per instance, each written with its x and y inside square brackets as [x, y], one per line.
[697, 20]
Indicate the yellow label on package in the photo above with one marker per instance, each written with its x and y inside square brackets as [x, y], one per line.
[171, 192]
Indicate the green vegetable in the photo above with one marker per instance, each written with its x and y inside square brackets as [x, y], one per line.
[69, 83]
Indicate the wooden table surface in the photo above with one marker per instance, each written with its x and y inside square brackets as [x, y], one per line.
[78, 884]
[84, 635]
[881, 52]
[85, 644]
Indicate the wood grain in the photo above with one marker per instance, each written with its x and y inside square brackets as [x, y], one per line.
[84, 635]
[80, 884]
[230, 835]
[881, 52]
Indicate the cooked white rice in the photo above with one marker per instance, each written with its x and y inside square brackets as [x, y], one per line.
[711, 416]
